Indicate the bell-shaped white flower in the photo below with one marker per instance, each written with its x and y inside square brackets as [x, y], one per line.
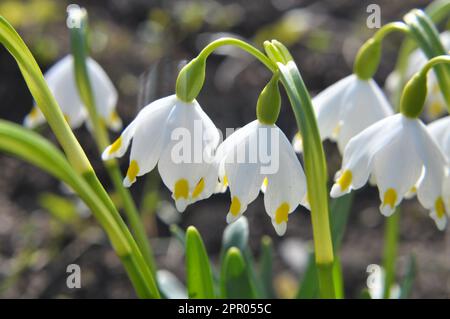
[181, 139]
[346, 108]
[435, 104]
[440, 131]
[60, 79]
[260, 156]
[400, 154]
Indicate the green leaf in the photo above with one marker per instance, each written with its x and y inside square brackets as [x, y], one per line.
[426, 35]
[235, 280]
[236, 235]
[340, 209]
[169, 285]
[266, 273]
[61, 208]
[309, 286]
[198, 269]
[408, 280]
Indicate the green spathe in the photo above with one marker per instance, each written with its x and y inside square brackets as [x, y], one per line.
[367, 59]
[413, 96]
[269, 103]
[190, 79]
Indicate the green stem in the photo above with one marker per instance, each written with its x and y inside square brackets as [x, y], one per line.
[434, 61]
[426, 36]
[240, 44]
[316, 175]
[79, 50]
[391, 236]
[134, 218]
[388, 28]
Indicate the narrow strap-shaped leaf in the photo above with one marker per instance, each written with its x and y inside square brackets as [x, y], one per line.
[339, 212]
[235, 279]
[198, 269]
[266, 272]
[408, 280]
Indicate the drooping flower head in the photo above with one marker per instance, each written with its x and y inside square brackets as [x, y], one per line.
[435, 104]
[401, 155]
[260, 156]
[60, 79]
[440, 131]
[346, 108]
[181, 139]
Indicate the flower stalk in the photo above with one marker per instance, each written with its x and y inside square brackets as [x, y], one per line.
[79, 45]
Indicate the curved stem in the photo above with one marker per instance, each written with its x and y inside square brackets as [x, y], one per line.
[316, 175]
[434, 61]
[388, 28]
[242, 45]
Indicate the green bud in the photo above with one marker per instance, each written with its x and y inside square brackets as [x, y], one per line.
[277, 52]
[414, 95]
[367, 59]
[190, 80]
[283, 51]
[269, 102]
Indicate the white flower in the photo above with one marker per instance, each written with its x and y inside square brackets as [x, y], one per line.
[346, 108]
[60, 79]
[435, 104]
[260, 156]
[440, 131]
[181, 139]
[400, 154]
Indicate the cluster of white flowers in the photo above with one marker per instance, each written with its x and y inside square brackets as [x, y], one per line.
[152, 134]
[397, 153]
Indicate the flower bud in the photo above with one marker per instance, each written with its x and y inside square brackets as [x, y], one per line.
[190, 79]
[269, 102]
[367, 59]
[414, 95]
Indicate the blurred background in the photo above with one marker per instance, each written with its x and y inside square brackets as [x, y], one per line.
[141, 44]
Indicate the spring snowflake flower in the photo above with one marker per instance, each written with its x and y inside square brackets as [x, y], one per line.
[346, 108]
[61, 81]
[260, 156]
[440, 131]
[435, 104]
[181, 139]
[401, 155]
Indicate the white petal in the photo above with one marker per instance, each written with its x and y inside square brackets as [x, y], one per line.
[191, 139]
[297, 143]
[361, 149]
[435, 164]
[34, 118]
[243, 171]
[152, 117]
[105, 93]
[363, 104]
[287, 186]
[440, 131]
[441, 222]
[61, 82]
[328, 105]
[395, 176]
[280, 229]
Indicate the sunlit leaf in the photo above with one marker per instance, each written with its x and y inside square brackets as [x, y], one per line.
[198, 269]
